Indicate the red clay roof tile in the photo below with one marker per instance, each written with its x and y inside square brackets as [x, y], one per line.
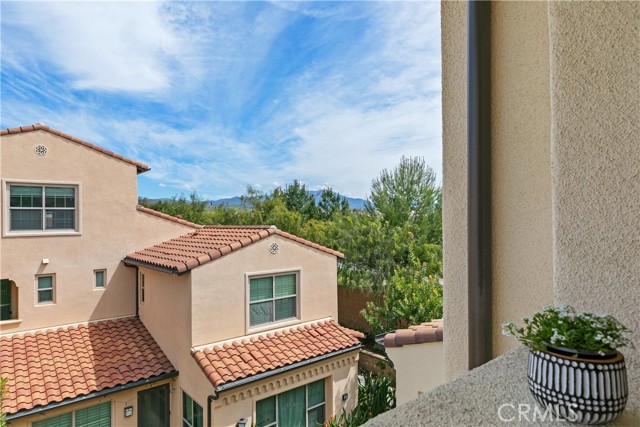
[271, 350]
[22, 129]
[207, 244]
[424, 332]
[91, 358]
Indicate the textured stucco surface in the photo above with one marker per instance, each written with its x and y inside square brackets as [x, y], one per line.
[521, 165]
[474, 399]
[595, 76]
[454, 200]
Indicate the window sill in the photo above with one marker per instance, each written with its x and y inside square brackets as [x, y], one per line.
[10, 322]
[41, 233]
[275, 325]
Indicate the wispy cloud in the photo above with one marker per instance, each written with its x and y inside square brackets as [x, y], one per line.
[219, 95]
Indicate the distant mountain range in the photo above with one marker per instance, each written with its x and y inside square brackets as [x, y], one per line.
[354, 202]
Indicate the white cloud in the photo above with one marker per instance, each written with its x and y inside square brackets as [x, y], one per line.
[99, 45]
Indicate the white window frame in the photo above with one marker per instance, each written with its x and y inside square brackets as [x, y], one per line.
[104, 279]
[53, 289]
[6, 194]
[193, 402]
[279, 323]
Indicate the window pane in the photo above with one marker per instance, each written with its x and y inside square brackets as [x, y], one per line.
[5, 299]
[315, 393]
[60, 219]
[45, 296]
[59, 197]
[285, 285]
[291, 410]
[197, 415]
[25, 197]
[45, 282]
[285, 308]
[261, 288]
[64, 420]
[24, 219]
[266, 412]
[187, 415]
[261, 312]
[315, 416]
[99, 279]
[94, 416]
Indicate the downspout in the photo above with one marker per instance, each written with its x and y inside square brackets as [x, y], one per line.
[210, 399]
[479, 182]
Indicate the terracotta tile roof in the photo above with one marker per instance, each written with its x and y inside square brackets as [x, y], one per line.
[354, 333]
[167, 217]
[207, 244]
[49, 366]
[240, 359]
[424, 332]
[141, 166]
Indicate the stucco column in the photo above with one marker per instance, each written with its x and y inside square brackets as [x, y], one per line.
[595, 101]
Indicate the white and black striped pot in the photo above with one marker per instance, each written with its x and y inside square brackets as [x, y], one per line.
[587, 391]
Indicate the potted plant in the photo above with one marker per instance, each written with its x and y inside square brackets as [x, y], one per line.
[575, 368]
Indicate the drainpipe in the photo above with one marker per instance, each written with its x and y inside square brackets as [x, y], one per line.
[210, 399]
[479, 182]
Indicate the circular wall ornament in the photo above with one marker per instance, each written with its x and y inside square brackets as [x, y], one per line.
[40, 150]
[274, 248]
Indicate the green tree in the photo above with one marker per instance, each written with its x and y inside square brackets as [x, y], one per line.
[330, 204]
[192, 210]
[411, 297]
[297, 198]
[3, 393]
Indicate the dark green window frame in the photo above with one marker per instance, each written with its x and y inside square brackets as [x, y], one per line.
[191, 412]
[273, 298]
[269, 411]
[46, 208]
[7, 300]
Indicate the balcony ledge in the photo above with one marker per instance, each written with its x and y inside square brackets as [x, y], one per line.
[476, 397]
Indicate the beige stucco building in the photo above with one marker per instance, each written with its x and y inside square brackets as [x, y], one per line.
[101, 321]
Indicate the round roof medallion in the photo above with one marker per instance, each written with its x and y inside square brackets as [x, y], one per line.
[40, 150]
[274, 248]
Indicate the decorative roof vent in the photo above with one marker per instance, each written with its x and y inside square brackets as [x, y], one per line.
[40, 150]
[274, 248]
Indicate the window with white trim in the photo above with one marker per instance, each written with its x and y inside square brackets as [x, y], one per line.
[191, 412]
[45, 289]
[99, 279]
[42, 208]
[273, 298]
[302, 406]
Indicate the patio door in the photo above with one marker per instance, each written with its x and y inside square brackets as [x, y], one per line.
[153, 407]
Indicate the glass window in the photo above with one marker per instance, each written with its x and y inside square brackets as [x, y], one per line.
[7, 310]
[94, 416]
[99, 276]
[45, 289]
[302, 406]
[40, 208]
[272, 298]
[64, 420]
[191, 412]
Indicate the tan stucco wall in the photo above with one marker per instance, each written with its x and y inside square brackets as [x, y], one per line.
[111, 227]
[521, 178]
[454, 183]
[419, 368]
[118, 402]
[521, 165]
[340, 373]
[566, 183]
[595, 74]
[216, 318]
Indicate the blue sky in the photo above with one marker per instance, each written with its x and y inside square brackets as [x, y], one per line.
[215, 96]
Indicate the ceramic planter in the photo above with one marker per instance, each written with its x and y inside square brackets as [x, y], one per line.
[578, 389]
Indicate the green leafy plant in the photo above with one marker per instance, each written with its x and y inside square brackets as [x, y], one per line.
[3, 391]
[563, 326]
[376, 394]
